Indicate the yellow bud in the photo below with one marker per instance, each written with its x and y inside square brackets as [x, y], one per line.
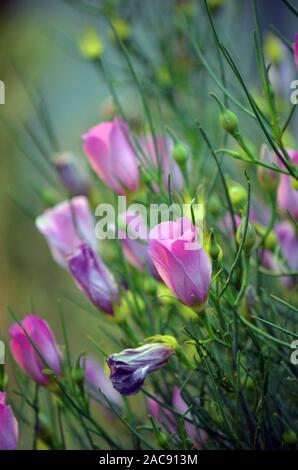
[91, 45]
[215, 4]
[122, 29]
[274, 49]
[250, 237]
[163, 75]
[164, 339]
[238, 195]
[294, 183]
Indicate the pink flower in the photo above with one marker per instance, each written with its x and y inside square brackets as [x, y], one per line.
[181, 262]
[168, 164]
[287, 195]
[288, 243]
[65, 226]
[164, 416]
[180, 405]
[27, 356]
[111, 156]
[9, 430]
[295, 46]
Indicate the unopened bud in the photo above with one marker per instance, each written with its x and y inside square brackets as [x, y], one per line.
[146, 177]
[250, 236]
[294, 183]
[91, 45]
[180, 154]
[238, 195]
[229, 121]
[214, 5]
[72, 174]
[50, 196]
[160, 436]
[290, 437]
[271, 239]
[269, 179]
[214, 249]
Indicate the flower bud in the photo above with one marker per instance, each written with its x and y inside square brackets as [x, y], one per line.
[180, 154]
[229, 122]
[269, 179]
[9, 431]
[35, 331]
[122, 29]
[91, 45]
[271, 238]
[160, 436]
[290, 437]
[294, 183]
[214, 249]
[50, 196]
[93, 278]
[145, 175]
[274, 49]
[72, 174]
[214, 5]
[130, 367]
[238, 195]
[250, 237]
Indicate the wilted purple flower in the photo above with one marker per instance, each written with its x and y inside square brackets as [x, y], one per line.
[165, 147]
[93, 278]
[287, 195]
[111, 156]
[72, 174]
[181, 262]
[129, 368]
[25, 353]
[295, 46]
[9, 430]
[65, 226]
[96, 379]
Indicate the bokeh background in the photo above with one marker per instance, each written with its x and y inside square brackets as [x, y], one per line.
[39, 56]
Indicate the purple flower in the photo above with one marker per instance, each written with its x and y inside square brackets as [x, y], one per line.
[287, 195]
[65, 226]
[111, 156]
[129, 368]
[181, 262]
[72, 174]
[134, 242]
[93, 278]
[295, 47]
[168, 418]
[288, 243]
[9, 430]
[96, 378]
[26, 355]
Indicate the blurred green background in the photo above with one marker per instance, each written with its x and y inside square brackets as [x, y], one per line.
[39, 54]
